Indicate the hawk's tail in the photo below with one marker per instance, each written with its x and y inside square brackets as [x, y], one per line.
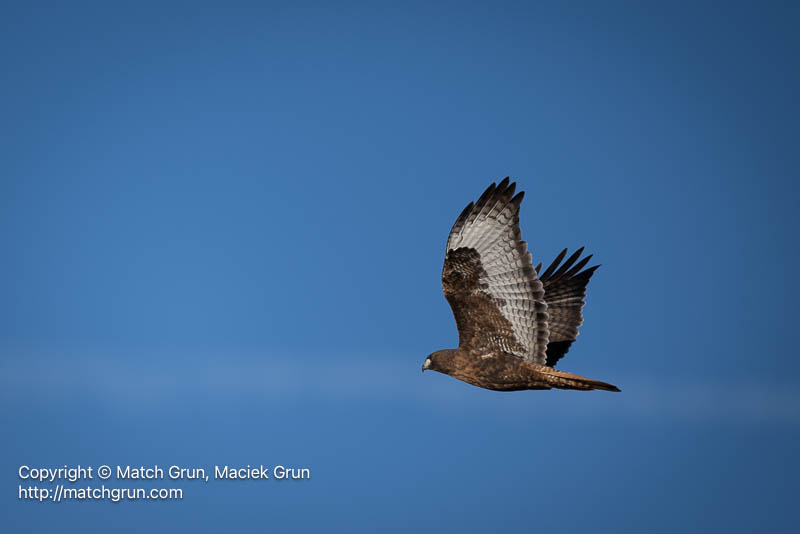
[564, 380]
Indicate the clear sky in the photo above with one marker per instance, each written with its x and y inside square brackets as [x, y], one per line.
[222, 229]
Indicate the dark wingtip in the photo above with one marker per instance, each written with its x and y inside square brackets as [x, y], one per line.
[549, 271]
[463, 214]
[588, 272]
[489, 190]
[509, 192]
[567, 264]
[578, 266]
[484, 198]
[505, 190]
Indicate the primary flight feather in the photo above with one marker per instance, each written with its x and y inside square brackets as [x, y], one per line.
[514, 324]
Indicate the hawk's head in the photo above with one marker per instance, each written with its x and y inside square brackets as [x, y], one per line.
[441, 360]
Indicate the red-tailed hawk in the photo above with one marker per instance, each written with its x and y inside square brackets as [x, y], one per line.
[513, 323]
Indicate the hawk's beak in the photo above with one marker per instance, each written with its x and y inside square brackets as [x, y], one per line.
[426, 365]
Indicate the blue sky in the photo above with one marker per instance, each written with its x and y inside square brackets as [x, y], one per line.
[222, 230]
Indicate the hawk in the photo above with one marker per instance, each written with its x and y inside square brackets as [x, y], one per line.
[514, 322]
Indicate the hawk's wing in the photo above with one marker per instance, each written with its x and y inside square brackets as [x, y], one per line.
[564, 291]
[489, 280]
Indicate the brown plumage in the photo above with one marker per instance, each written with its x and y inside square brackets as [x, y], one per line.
[514, 322]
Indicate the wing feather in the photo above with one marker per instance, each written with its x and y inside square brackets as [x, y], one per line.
[489, 280]
[565, 291]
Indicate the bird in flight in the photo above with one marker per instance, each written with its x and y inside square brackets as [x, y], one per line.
[514, 322]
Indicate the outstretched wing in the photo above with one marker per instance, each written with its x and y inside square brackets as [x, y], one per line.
[489, 281]
[564, 292]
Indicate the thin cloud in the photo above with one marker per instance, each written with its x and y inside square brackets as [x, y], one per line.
[139, 382]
